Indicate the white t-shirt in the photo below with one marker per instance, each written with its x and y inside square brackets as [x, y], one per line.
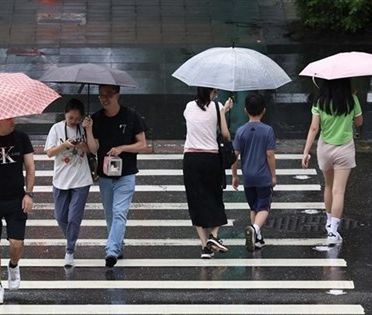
[201, 126]
[71, 168]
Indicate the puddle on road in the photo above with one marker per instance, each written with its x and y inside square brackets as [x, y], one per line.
[301, 177]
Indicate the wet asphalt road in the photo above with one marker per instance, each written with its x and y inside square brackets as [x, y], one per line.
[290, 232]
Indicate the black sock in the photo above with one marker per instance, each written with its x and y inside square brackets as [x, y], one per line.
[11, 265]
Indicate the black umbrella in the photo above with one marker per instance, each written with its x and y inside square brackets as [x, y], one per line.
[88, 73]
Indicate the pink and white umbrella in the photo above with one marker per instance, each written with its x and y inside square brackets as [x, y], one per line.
[342, 65]
[21, 95]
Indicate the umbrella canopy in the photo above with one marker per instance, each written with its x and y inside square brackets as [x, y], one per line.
[90, 74]
[21, 95]
[342, 65]
[232, 69]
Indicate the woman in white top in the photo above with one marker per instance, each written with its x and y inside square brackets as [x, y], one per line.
[72, 178]
[202, 169]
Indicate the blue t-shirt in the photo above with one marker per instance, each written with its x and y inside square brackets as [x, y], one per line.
[252, 140]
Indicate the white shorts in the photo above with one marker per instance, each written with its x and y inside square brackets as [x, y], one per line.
[332, 156]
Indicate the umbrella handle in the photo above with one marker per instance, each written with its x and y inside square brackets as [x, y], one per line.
[88, 102]
[313, 78]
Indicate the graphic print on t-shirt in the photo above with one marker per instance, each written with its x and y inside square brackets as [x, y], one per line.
[6, 155]
[122, 127]
[73, 156]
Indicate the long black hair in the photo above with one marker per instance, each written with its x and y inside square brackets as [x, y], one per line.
[335, 97]
[203, 97]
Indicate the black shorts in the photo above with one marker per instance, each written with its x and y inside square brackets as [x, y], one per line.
[15, 218]
[259, 198]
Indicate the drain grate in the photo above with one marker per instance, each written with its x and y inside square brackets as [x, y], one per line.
[305, 223]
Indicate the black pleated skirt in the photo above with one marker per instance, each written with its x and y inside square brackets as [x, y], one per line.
[202, 175]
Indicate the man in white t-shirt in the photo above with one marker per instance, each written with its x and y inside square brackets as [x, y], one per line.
[72, 177]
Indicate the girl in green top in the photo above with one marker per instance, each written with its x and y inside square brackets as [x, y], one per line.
[335, 110]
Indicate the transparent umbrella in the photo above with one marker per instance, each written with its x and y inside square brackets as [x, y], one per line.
[232, 69]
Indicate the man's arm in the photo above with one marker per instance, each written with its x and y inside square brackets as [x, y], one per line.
[270, 155]
[28, 160]
[93, 144]
[140, 146]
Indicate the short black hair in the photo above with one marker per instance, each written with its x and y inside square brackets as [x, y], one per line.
[115, 88]
[75, 104]
[254, 104]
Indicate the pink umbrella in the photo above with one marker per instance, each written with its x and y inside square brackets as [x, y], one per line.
[21, 95]
[342, 65]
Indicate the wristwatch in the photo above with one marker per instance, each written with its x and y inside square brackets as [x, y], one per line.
[30, 194]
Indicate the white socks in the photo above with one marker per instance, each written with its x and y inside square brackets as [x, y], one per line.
[329, 216]
[335, 222]
[258, 231]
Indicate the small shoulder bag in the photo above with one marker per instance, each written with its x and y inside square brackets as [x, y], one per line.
[225, 147]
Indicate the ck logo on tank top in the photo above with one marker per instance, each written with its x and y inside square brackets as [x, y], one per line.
[5, 157]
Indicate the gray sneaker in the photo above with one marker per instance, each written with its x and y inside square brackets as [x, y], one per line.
[250, 238]
[14, 278]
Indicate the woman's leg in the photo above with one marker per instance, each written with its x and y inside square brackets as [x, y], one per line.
[203, 235]
[338, 192]
[62, 200]
[214, 231]
[75, 216]
[328, 186]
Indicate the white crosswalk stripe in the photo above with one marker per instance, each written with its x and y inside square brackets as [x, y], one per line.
[176, 254]
[183, 206]
[86, 222]
[176, 242]
[221, 309]
[193, 285]
[178, 172]
[162, 157]
[175, 263]
[171, 188]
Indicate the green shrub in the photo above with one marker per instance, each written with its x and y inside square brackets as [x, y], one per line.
[335, 15]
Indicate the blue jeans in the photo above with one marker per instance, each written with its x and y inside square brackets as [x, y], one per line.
[69, 208]
[116, 197]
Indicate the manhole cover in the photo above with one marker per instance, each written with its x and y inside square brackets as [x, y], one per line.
[306, 223]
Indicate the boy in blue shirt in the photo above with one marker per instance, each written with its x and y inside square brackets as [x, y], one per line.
[255, 143]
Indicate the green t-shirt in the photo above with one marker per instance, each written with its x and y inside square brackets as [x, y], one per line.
[337, 130]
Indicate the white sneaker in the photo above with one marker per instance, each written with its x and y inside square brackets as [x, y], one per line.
[1, 295]
[69, 260]
[14, 278]
[328, 228]
[334, 238]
